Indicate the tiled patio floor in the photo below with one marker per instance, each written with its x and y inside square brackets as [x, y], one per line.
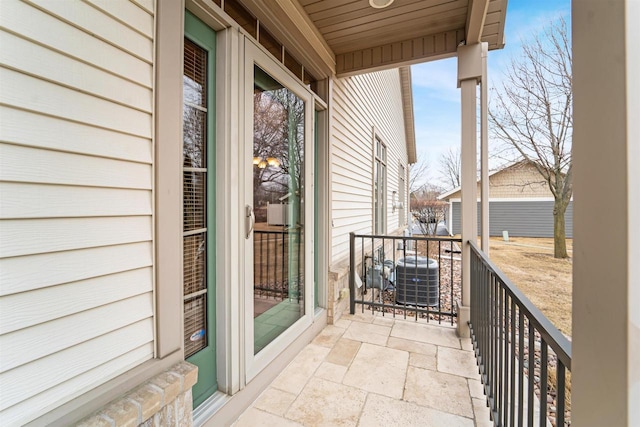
[375, 371]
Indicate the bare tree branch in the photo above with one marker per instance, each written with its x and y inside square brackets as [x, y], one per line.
[451, 167]
[419, 174]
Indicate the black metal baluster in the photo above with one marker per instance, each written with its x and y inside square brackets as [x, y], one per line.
[530, 382]
[543, 383]
[284, 262]
[364, 271]
[260, 286]
[394, 271]
[499, 353]
[512, 394]
[560, 394]
[352, 273]
[494, 346]
[373, 264]
[520, 368]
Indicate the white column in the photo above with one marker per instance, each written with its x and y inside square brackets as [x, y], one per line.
[484, 154]
[469, 73]
[606, 267]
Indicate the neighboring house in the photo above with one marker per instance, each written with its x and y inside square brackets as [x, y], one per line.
[520, 203]
[140, 147]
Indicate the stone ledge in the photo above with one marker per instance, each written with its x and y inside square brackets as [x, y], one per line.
[152, 402]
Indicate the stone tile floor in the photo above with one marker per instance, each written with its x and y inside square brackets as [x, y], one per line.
[371, 370]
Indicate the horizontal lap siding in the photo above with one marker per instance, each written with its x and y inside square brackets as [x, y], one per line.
[76, 227]
[360, 103]
[521, 219]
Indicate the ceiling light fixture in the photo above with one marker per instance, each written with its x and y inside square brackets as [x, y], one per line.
[380, 4]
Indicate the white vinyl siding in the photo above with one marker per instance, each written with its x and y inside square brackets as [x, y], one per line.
[76, 176]
[363, 105]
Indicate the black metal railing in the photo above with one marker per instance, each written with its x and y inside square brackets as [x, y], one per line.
[273, 261]
[408, 276]
[524, 360]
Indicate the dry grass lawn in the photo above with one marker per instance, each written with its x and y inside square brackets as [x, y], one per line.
[546, 281]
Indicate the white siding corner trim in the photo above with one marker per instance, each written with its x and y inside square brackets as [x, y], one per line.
[76, 224]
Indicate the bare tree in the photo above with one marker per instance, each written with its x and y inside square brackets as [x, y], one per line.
[532, 112]
[450, 167]
[419, 174]
[427, 209]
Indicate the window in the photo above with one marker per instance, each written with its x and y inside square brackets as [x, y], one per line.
[380, 188]
[199, 211]
[195, 196]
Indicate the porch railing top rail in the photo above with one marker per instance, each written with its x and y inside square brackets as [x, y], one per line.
[416, 237]
[551, 335]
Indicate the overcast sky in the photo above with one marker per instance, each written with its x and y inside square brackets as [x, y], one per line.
[436, 100]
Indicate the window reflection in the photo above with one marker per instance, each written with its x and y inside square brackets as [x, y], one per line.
[278, 184]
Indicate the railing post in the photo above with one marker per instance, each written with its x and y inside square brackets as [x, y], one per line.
[352, 273]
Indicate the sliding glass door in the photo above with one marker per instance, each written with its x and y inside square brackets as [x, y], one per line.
[278, 211]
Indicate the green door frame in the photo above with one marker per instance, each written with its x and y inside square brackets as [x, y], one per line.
[201, 34]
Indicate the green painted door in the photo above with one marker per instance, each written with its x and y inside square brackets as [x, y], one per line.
[199, 204]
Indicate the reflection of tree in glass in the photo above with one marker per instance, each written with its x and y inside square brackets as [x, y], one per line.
[194, 152]
[279, 133]
[194, 124]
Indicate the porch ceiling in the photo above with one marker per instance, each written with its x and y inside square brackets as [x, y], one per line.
[346, 37]
[365, 39]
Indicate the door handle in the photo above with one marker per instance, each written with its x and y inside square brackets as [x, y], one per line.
[249, 220]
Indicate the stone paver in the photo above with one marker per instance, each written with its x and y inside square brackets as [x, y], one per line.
[296, 375]
[384, 321]
[343, 352]
[329, 336]
[412, 346]
[482, 413]
[365, 317]
[432, 334]
[369, 370]
[369, 333]
[256, 418]
[457, 362]
[422, 361]
[476, 388]
[342, 323]
[437, 390]
[275, 401]
[384, 411]
[323, 403]
[378, 369]
[331, 372]
[466, 344]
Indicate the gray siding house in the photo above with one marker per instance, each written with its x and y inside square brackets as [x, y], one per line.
[519, 202]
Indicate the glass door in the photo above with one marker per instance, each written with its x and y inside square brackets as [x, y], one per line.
[279, 207]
